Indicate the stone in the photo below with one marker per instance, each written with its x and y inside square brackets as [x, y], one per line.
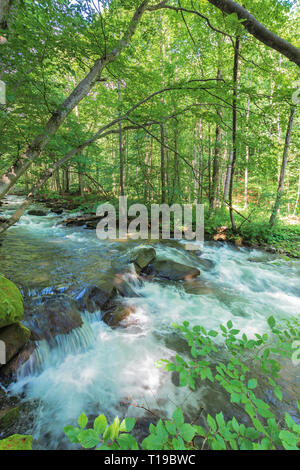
[144, 257]
[206, 263]
[167, 269]
[97, 297]
[123, 287]
[11, 303]
[9, 419]
[38, 213]
[52, 316]
[14, 337]
[8, 372]
[114, 317]
[57, 211]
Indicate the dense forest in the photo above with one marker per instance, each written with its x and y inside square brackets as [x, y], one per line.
[166, 102]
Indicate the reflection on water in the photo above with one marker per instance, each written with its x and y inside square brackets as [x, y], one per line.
[96, 369]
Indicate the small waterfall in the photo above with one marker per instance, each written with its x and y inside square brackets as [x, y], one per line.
[50, 353]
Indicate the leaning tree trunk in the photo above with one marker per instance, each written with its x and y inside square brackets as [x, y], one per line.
[34, 149]
[283, 167]
[258, 30]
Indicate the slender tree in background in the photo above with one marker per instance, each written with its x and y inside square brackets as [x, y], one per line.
[283, 167]
[234, 128]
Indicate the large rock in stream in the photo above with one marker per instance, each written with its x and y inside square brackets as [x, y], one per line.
[145, 262]
[37, 212]
[144, 257]
[101, 297]
[52, 316]
[170, 270]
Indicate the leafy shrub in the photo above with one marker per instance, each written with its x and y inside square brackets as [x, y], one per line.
[263, 431]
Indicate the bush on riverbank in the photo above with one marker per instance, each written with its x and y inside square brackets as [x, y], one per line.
[259, 430]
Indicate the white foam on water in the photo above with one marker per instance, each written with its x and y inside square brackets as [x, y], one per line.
[96, 369]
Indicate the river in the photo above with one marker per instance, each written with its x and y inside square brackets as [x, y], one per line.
[98, 369]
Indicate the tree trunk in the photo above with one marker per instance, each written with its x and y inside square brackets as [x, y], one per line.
[234, 128]
[34, 149]
[283, 168]
[258, 30]
[247, 151]
[5, 6]
[162, 164]
[121, 148]
[297, 197]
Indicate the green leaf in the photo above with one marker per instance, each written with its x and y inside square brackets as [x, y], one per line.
[100, 424]
[289, 440]
[252, 384]
[127, 424]
[271, 322]
[187, 432]
[112, 431]
[82, 420]
[126, 441]
[171, 428]
[178, 417]
[211, 422]
[72, 433]
[88, 438]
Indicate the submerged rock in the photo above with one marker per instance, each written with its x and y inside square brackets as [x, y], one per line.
[123, 287]
[14, 337]
[114, 317]
[206, 263]
[54, 315]
[167, 269]
[11, 303]
[36, 212]
[198, 287]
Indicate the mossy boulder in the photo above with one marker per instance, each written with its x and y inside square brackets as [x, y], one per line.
[11, 303]
[16, 442]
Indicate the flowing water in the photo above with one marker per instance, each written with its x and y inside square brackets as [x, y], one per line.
[98, 369]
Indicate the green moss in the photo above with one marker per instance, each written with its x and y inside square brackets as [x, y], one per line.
[16, 442]
[10, 418]
[11, 303]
